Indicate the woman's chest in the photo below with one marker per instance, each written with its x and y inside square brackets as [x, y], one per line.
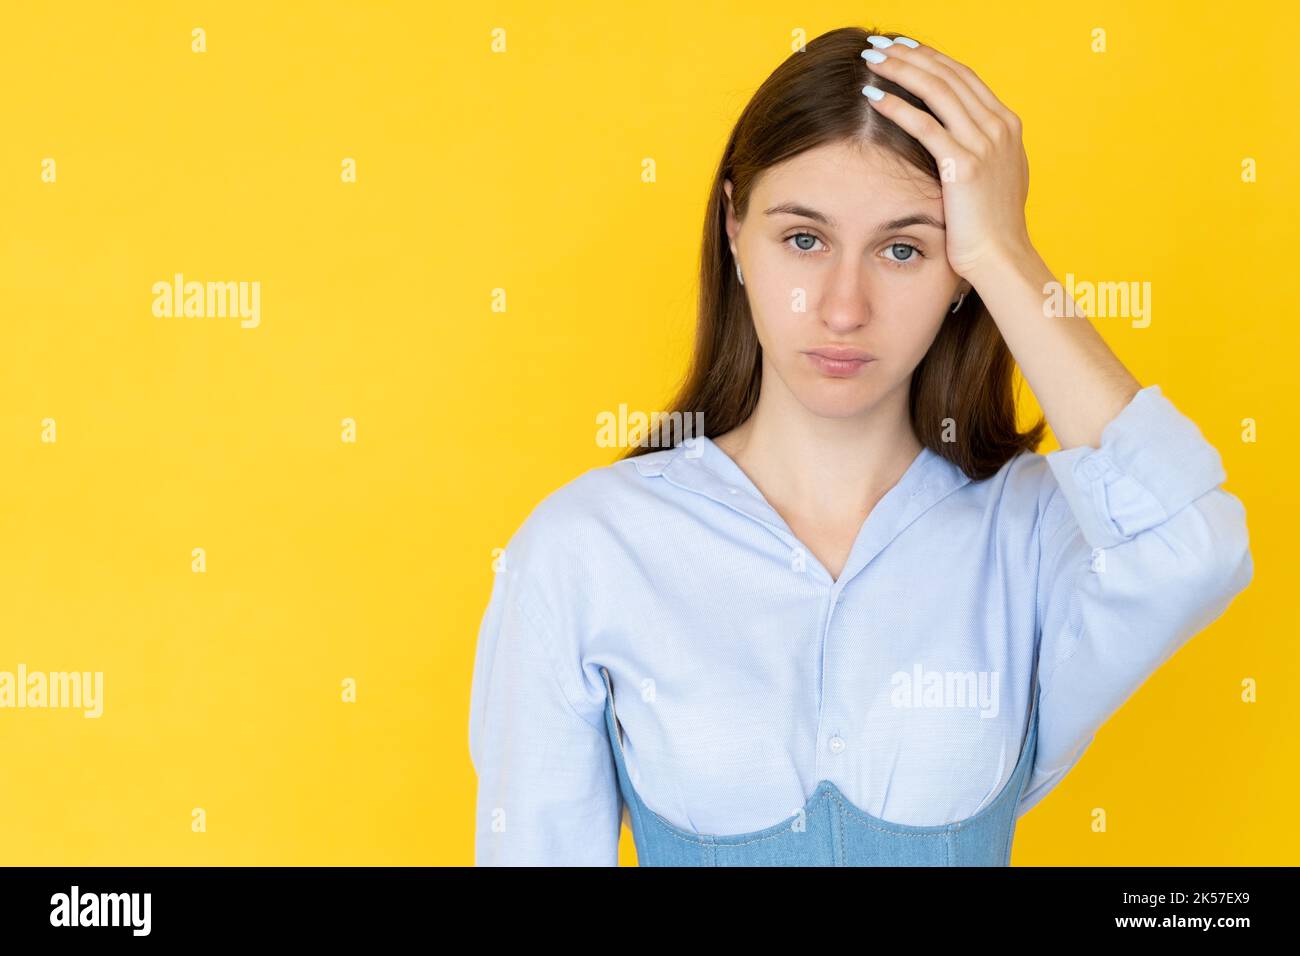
[909, 696]
[745, 675]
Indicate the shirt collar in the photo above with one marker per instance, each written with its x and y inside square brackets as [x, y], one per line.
[700, 466]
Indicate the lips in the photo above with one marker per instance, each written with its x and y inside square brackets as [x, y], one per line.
[839, 362]
[842, 353]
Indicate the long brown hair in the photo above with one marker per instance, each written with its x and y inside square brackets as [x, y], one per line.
[815, 97]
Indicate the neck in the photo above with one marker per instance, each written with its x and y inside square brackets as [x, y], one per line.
[814, 464]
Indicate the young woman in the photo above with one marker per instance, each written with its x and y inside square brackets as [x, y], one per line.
[862, 620]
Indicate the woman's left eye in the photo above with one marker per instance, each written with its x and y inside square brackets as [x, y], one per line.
[913, 254]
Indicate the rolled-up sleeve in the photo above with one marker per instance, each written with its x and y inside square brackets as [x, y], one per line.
[547, 785]
[1140, 549]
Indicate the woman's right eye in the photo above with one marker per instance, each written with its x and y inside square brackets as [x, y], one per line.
[802, 249]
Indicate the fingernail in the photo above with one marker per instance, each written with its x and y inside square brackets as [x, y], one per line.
[879, 41]
[907, 41]
[874, 56]
[872, 93]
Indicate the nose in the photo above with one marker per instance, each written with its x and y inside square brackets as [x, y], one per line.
[846, 296]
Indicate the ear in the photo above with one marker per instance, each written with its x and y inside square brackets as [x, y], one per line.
[733, 226]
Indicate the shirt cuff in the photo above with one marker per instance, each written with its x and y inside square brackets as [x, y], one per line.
[1153, 462]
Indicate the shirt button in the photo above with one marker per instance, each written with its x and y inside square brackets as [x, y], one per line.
[734, 491]
[836, 744]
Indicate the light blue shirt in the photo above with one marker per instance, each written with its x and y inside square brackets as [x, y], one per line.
[744, 675]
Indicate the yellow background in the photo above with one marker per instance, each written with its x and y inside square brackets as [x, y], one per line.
[522, 171]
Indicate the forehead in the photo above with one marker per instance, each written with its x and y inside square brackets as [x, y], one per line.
[857, 186]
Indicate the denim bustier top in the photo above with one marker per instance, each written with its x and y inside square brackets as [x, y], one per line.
[829, 830]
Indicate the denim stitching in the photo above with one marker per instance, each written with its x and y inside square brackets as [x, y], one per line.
[677, 834]
[869, 822]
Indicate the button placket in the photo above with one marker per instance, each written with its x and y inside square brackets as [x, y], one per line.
[835, 744]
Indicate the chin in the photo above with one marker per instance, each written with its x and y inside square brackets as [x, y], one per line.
[837, 399]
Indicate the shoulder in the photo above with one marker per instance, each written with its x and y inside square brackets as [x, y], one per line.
[1019, 491]
[595, 496]
[571, 529]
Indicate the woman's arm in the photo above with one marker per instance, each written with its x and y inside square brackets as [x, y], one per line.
[547, 786]
[1079, 382]
[1140, 549]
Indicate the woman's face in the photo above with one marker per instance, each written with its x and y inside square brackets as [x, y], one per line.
[831, 258]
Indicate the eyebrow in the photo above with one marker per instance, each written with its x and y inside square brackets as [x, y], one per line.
[794, 209]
